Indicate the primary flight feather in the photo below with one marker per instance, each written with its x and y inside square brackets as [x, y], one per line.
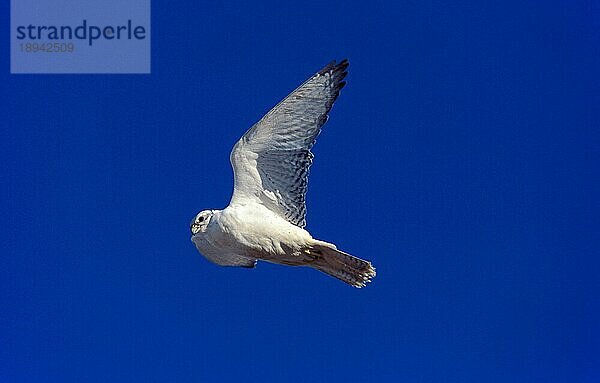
[266, 216]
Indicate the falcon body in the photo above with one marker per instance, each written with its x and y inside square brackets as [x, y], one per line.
[254, 232]
[266, 216]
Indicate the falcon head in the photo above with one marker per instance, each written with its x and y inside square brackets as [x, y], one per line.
[200, 222]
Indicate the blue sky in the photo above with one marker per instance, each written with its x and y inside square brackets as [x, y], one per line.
[461, 158]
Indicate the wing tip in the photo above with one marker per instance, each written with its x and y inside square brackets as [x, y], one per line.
[336, 68]
[337, 71]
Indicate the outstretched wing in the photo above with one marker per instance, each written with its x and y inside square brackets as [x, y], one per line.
[270, 162]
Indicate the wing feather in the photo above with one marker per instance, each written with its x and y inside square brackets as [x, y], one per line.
[271, 160]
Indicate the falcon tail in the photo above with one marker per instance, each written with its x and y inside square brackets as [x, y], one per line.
[345, 267]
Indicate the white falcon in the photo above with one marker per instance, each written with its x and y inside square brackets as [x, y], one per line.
[266, 216]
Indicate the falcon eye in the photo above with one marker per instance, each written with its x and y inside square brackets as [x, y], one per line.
[200, 219]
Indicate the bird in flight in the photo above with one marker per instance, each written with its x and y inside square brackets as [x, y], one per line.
[265, 218]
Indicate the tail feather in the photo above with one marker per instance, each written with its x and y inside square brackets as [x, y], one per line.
[345, 267]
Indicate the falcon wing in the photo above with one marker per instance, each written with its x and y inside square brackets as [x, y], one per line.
[271, 160]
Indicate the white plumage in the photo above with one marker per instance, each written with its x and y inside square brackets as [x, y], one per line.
[266, 216]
